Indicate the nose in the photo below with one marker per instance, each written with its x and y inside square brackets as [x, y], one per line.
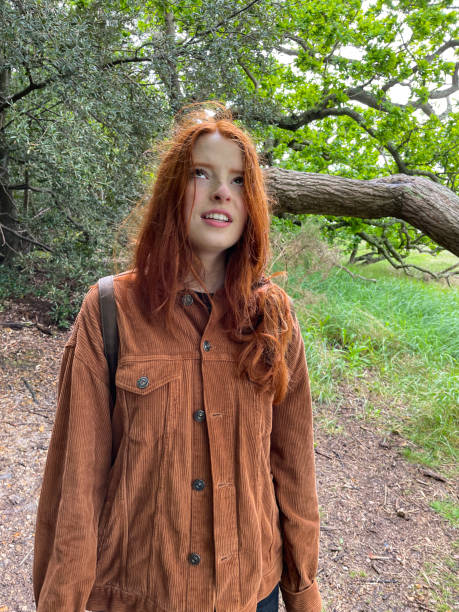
[222, 193]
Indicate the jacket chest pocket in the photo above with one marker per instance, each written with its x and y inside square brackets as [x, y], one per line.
[150, 392]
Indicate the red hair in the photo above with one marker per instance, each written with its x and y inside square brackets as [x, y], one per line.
[258, 314]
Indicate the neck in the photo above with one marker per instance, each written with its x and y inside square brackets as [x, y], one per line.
[213, 267]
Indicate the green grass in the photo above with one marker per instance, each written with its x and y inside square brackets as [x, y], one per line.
[394, 341]
[442, 577]
[447, 508]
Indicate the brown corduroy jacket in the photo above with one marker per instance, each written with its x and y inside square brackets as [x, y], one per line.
[197, 495]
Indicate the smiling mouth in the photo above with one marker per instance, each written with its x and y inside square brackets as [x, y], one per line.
[217, 217]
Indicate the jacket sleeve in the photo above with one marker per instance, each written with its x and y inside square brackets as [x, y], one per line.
[293, 468]
[76, 473]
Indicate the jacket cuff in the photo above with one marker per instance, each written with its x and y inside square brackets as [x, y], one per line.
[307, 600]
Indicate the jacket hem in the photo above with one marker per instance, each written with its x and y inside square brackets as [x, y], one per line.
[110, 597]
[269, 581]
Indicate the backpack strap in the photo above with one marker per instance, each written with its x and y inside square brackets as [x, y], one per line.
[107, 305]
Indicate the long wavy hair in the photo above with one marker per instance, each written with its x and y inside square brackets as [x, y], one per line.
[258, 315]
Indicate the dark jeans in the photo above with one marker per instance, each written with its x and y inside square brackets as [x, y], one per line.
[270, 603]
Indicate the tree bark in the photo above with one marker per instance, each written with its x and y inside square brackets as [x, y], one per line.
[8, 218]
[428, 206]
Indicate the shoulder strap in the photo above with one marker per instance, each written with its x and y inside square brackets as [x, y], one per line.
[109, 326]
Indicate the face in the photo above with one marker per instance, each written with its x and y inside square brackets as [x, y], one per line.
[214, 202]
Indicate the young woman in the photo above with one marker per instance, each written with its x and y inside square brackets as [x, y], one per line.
[198, 492]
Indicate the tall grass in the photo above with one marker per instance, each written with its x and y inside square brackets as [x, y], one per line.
[394, 341]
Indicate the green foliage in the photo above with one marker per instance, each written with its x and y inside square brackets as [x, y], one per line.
[61, 281]
[328, 37]
[395, 340]
[407, 334]
[445, 577]
[88, 86]
[448, 508]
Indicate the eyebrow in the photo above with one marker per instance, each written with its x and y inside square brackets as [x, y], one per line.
[211, 166]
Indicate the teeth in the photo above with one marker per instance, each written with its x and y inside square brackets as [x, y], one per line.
[216, 216]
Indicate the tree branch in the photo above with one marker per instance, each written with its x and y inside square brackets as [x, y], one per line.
[25, 186]
[255, 82]
[369, 99]
[175, 91]
[449, 44]
[287, 51]
[444, 93]
[10, 100]
[354, 275]
[199, 35]
[428, 206]
[5, 228]
[294, 122]
[309, 50]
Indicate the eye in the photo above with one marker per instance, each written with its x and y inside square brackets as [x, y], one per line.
[199, 173]
[239, 180]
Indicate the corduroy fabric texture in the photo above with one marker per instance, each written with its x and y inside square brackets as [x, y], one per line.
[121, 509]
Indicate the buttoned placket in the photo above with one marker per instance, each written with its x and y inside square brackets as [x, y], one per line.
[221, 447]
[201, 556]
[213, 507]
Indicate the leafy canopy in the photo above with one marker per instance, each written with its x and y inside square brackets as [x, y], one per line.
[359, 89]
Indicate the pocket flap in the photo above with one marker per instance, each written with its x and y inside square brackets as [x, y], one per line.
[142, 377]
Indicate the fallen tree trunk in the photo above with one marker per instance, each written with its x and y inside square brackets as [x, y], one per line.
[426, 205]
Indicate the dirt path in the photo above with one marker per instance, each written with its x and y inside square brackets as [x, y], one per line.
[378, 531]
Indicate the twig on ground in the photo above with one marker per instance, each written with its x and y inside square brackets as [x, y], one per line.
[423, 607]
[32, 392]
[339, 457]
[25, 558]
[322, 454]
[13, 425]
[375, 568]
[43, 329]
[327, 528]
[434, 475]
[17, 325]
[425, 484]
[354, 275]
[41, 414]
[381, 580]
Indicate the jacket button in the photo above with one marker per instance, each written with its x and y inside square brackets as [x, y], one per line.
[187, 299]
[198, 484]
[206, 346]
[199, 416]
[142, 382]
[194, 559]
